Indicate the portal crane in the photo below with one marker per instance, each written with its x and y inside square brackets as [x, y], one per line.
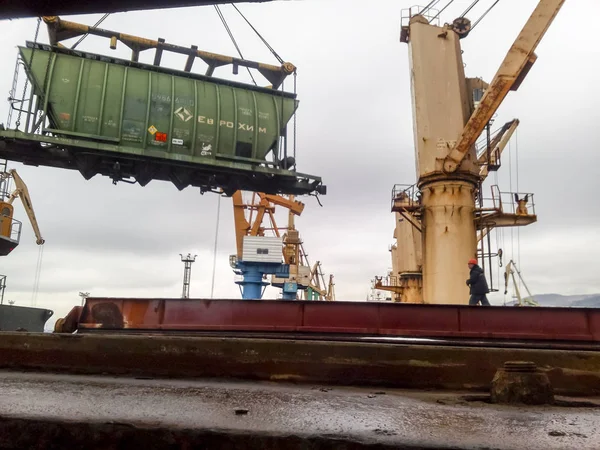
[292, 272]
[257, 255]
[10, 229]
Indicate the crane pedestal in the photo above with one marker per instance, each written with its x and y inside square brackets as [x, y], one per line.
[253, 272]
[449, 240]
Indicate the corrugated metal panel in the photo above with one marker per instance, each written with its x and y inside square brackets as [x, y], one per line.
[165, 114]
[262, 249]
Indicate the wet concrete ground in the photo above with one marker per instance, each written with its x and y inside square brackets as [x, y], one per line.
[350, 417]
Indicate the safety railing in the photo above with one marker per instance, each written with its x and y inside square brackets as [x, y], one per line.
[387, 281]
[14, 227]
[431, 14]
[406, 196]
[22, 100]
[518, 203]
[15, 230]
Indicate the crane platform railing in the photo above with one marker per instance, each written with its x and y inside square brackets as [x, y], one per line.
[23, 98]
[387, 281]
[406, 197]
[515, 203]
[431, 14]
[15, 228]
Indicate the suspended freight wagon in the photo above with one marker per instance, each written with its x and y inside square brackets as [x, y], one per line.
[137, 122]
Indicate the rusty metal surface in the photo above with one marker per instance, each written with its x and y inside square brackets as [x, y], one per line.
[396, 319]
[574, 372]
[30, 8]
[102, 412]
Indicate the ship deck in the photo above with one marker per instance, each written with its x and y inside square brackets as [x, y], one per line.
[101, 411]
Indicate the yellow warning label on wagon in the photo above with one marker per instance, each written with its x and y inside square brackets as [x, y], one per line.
[152, 129]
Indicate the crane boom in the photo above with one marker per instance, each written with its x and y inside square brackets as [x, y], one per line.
[509, 76]
[22, 192]
[496, 147]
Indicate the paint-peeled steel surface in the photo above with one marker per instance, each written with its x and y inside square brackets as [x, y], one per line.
[450, 240]
[394, 319]
[366, 362]
[441, 103]
[156, 112]
[275, 413]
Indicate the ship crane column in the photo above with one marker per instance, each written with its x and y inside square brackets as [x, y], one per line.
[447, 124]
[441, 110]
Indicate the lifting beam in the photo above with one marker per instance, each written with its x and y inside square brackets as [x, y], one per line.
[60, 30]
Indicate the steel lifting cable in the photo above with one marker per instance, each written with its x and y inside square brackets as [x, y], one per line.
[469, 8]
[484, 14]
[517, 170]
[441, 11]
[429, 5]
[212, 286]
[38, 272]
[93, 27]
[222, 17]
[512, 229]
[295, 121]
[259, 35]
[281, 61]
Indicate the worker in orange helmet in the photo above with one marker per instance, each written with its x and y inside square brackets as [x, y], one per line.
[478, 287]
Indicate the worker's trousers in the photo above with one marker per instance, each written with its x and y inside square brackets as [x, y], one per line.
[476, 298]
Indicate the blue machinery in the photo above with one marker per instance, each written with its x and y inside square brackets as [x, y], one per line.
[253, 284]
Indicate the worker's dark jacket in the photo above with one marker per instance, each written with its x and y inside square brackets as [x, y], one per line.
[476, 282]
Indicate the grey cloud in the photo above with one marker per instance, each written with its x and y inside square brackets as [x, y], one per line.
[355, 130]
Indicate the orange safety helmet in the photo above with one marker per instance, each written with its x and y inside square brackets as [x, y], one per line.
[472, 261]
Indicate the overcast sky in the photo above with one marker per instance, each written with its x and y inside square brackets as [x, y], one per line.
[354, 130]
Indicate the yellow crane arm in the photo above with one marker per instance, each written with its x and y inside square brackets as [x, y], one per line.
[265, 206]
[22, 192]
[241, 224]
[497, 146]
[296, 207]
[509, 76]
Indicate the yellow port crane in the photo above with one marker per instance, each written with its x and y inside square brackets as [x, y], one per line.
[310, 279]
[10, 228]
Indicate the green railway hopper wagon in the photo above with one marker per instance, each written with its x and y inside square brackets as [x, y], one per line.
[136, 122]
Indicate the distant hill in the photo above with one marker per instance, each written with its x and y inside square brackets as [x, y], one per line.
[572, 301]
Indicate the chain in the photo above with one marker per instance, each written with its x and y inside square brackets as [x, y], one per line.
[37, 30]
